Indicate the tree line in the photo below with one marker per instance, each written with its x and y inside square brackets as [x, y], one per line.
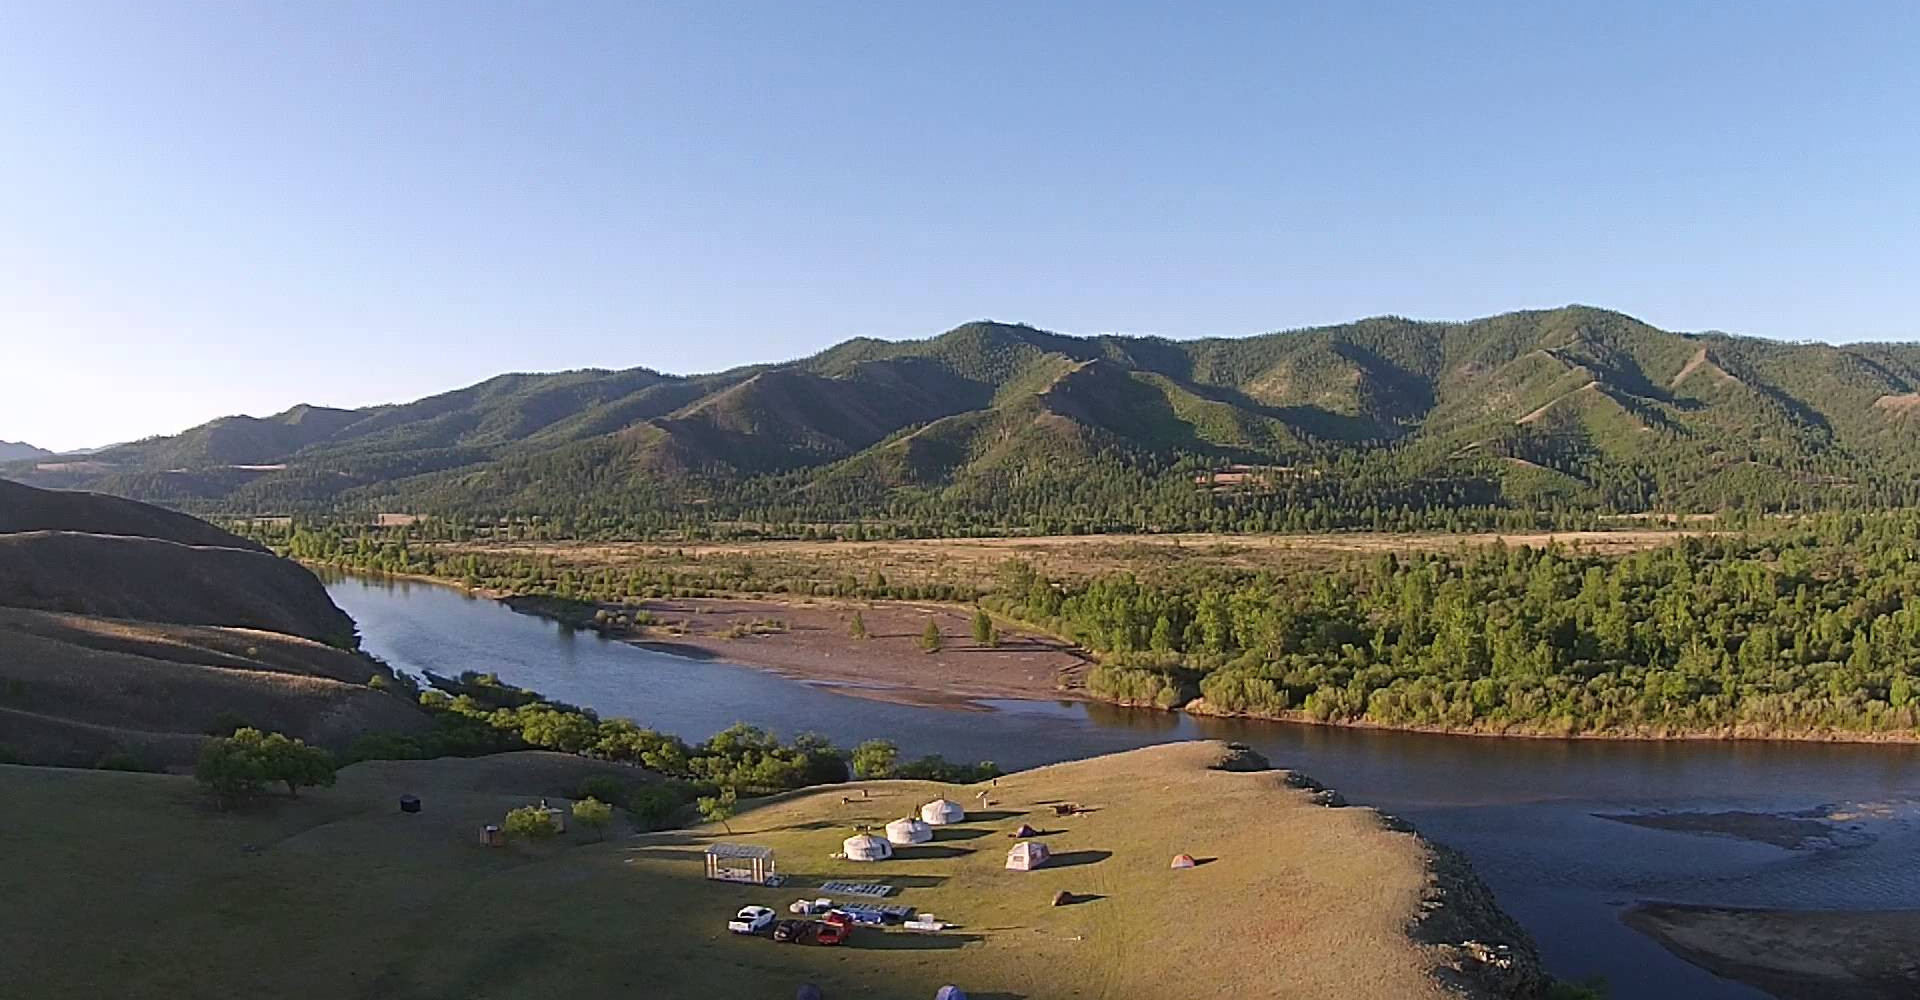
[1805, 629]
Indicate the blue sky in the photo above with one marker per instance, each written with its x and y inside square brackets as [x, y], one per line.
[221, 208]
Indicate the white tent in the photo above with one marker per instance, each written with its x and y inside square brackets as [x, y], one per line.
[909, 831]
[1027, 855]
[940, 812]
[866, 847]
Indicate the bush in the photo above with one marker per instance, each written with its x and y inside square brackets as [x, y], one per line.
[930, 641]
[121, 760]
[603, 787]
[529, 823]
[875, 759]
[233, 772]
[593, 813]
[654, 805]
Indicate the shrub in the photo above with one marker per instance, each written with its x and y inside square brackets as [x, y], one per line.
[603, 787]
[121, 760]
[653, 805]
[233, 772]
[593, 813]
[930, 641]
[529, 823]
[875, 759]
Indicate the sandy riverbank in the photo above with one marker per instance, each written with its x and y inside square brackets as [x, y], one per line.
[1794, 954]
[813, 642]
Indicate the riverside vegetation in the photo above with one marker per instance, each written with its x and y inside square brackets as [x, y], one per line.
[1801, 627]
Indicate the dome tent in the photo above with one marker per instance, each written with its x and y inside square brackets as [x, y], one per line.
[807, 991]
[949, 992]
[940, 812]
[1184, 861]
[1027, 855]
[909, 831]
[1024, 830]
[866, 847]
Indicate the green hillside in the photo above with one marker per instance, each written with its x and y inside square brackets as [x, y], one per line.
[995, 425]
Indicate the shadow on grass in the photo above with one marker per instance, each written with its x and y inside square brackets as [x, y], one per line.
[670, 853]
[873, 940]
[949, 833]
[1076, 898]
[1074, 859]
[813, 880]
[920, 852]
[818, 824]
[992, 815]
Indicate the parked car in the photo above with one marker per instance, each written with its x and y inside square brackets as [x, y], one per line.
[831, 932]
[750, 920]
[790, 930]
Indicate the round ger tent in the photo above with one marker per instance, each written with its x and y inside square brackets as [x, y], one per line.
[940, 812]
[908, 831]
[1184, 861]
[866, 847]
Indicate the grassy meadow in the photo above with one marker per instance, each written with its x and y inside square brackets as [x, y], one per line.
[130, 885]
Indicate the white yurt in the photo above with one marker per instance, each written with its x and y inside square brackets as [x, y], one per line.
[866, 847]
[1027, 855]
[940, 812]
[908, 831]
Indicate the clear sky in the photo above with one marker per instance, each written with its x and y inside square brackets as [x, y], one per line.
[233, 207]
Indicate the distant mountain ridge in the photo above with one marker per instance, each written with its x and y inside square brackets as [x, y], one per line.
[1574, 405]
[20, 451]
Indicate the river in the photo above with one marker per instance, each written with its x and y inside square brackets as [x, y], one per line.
[1524, 811]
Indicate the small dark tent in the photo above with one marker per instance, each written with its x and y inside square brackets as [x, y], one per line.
[807, 991]
[949, 992]
[1025, 831]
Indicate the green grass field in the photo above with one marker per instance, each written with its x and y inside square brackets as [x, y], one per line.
[130, 886]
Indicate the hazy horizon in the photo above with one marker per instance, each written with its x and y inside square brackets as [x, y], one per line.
[213, 211]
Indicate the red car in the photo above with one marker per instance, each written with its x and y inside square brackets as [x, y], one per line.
[830, 932]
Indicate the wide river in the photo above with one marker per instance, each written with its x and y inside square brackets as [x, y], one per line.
[1524, 811]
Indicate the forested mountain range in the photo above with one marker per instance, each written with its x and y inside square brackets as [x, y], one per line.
[995, 425]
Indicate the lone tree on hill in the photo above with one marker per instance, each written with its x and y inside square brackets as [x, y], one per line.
[295, 764]
[984, 634]
[858, 628]
[594, 813]
[719, 808]
[930, 639]
[238, 767]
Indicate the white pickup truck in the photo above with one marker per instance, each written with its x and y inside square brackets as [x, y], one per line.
[750, 920]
